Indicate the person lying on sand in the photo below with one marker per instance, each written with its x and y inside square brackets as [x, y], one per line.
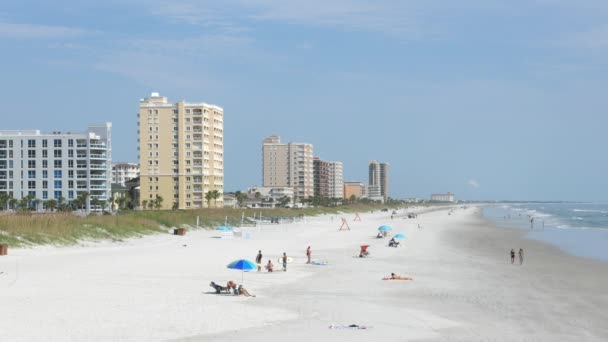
[243, 292]
[232, 285]
[397, 277]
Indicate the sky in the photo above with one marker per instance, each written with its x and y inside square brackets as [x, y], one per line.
[486, 99]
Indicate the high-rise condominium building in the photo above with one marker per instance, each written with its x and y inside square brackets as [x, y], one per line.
[59, 166]
[328, 178]
[288, 165]
[181, 153]
[378, 180]
[122, 172]
[384, 180]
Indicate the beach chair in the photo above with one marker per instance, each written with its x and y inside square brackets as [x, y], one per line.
[364, 252]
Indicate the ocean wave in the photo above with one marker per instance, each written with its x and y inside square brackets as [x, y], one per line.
[590, 211]
[577, 218]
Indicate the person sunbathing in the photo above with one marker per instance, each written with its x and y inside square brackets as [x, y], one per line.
[243, 292]
[269, 266]
[398, 277]
[232, 285]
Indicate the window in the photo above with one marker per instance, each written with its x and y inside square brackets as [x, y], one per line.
[45, 143]
[58, 164]
[70, 194]
[57, 174]
[31, 153]
[70, 173]
[57, 184]
[71, 143]
[45, 195]
[57, 153]
[57, 143]
[31, 184]
[31, 143]
[45, 153]
[31, 174]
[45, 184]
[45, 164]
[70, 163]
[45, 174]
[71, 184]
[31, 164]
[57, 194]
[71, 153]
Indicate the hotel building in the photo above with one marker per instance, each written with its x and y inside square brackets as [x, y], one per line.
[181, 152]
[354, 188]
[449, 197]
[288, 165]
[378, 181]
[57, 165]
[328, 179]
[122, 172]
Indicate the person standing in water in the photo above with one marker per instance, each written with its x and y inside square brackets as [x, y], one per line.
[512, 255]
[521, 256]
[284, 262]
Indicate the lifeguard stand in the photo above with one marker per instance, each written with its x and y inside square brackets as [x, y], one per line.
[357, 217]
[344, 225]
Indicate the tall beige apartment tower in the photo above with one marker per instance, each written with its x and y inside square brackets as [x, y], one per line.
[288, 165]
[181, 152]
[384, 180]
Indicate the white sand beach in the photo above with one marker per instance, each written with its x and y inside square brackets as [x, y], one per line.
[157, 288]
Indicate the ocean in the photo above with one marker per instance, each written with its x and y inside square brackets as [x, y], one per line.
[579, 229]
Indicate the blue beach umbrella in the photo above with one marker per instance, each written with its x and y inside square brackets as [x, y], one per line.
[243, 265]
[385, 228]
[399, 236]
[224, 228]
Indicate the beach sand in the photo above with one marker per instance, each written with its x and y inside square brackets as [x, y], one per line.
[156, 288]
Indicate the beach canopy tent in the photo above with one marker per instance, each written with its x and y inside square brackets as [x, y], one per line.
[399, 236]
[385, 228]
[243, 265]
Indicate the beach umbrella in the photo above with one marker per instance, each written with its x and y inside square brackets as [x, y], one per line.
[385, 228]
[224, 228]
[243, 265]
[399, 236]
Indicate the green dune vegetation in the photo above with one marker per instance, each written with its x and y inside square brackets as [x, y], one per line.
[23, 228]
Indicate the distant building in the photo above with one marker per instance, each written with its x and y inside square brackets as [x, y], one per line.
[269, 197]
[378, 181]
[230, 200]
[328, 178]
[181, 152]
[356, 189]
[122, 172]
[288, 165]
[58, 165]
[449, 197]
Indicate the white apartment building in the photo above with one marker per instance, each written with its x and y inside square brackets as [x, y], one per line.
[57, 165]
[328, 178]
[379, 180]
[449, 197]
[288, 165]
[122, 172]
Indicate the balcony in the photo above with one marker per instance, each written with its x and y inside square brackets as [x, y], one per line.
[98, 146]
[96, 177]
[99, 187]
[98, 167]
[98, 156]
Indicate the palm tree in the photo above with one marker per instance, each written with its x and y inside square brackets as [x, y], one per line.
[95, 202]
[216, 194]
[209, 197]
[13, 202]
[151, 204]
[240, 197]
[51, 204]
[4, 198]
[158, 203]
[37, 202]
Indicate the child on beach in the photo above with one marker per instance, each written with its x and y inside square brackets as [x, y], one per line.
[269, 266]
[512, 255]
[284, 262]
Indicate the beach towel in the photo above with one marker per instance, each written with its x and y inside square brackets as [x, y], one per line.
[320, 263]
[349, 327]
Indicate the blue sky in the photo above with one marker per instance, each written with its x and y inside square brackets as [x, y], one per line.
[486, 99]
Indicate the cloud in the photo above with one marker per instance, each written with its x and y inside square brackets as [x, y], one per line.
[31, 31]
[473, 183]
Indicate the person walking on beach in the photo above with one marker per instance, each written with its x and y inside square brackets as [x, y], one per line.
[258, 260]
[284, 262]
[308, 255]
[512, 255]
[521, 256]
